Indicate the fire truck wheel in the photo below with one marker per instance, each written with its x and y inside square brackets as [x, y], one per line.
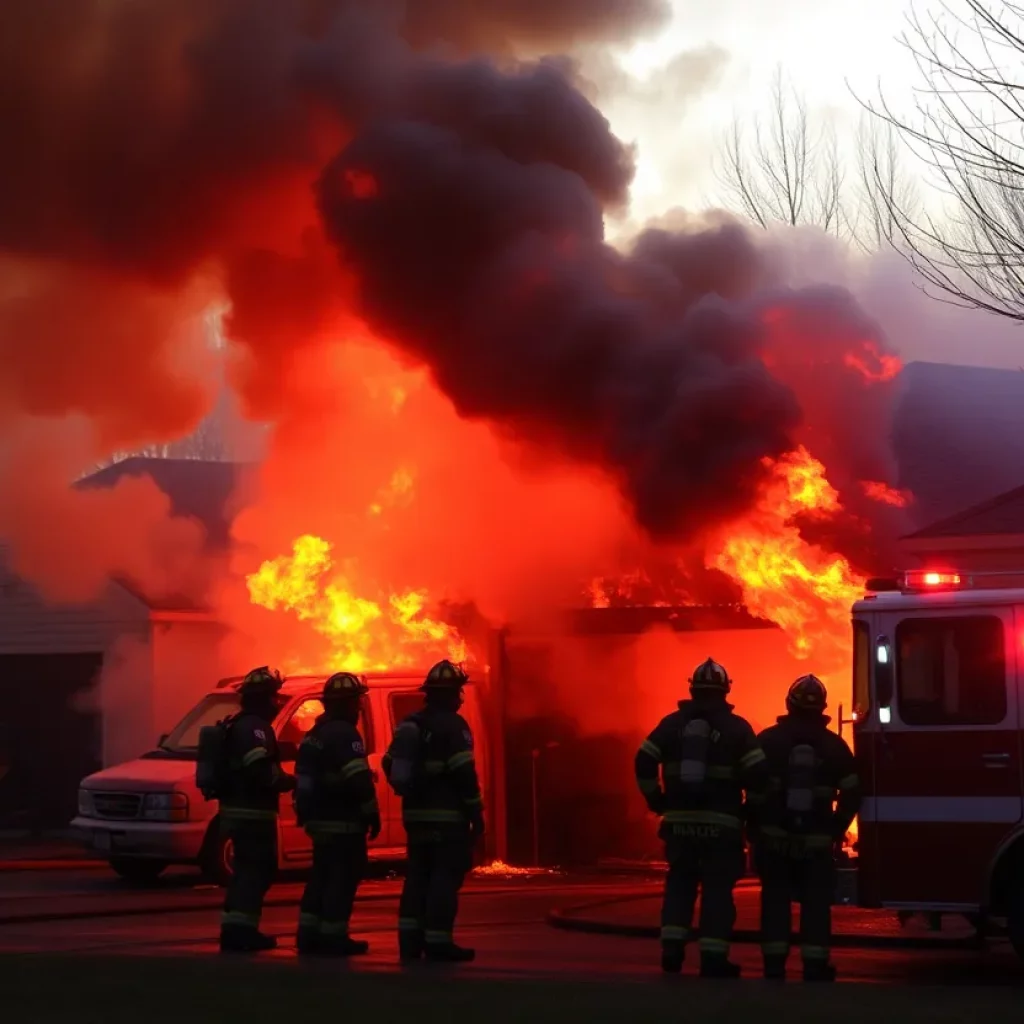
[216, 861]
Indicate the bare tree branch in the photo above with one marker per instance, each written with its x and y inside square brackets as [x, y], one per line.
[967, 128]
[884, 185]
[790, 173]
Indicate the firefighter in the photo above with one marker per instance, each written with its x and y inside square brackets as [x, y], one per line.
[430, 765]
[336, 802]
[248, 811]
[707, 755]
[812, 798]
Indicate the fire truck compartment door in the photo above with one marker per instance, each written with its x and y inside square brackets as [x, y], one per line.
[948, 765]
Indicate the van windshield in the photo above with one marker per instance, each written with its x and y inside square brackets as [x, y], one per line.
[183, 739]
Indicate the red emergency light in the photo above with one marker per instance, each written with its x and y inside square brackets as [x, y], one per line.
[930, 579]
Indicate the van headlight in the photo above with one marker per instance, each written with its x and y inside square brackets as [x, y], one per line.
[86, 808]
[165, 807]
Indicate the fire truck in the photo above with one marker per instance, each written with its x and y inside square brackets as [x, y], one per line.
[938, 724]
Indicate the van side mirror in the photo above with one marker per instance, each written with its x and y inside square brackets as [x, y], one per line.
[163, 739]
[885, 678]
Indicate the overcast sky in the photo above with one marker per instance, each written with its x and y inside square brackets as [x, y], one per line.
[718, 59]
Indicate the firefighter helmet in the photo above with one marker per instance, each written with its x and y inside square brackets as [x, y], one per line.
[808, 693]
[343, 685]
[445, 675]
[708, 676]
[260, 681]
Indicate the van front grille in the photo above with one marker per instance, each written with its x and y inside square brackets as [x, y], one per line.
[121, 806]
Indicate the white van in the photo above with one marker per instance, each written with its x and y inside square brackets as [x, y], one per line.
[147, 814]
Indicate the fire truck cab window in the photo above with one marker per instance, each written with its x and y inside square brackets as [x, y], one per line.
[301, 721]
[951, 671]
[861, 668]
[404, 704]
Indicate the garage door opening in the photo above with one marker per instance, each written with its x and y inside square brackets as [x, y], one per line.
[50, 737]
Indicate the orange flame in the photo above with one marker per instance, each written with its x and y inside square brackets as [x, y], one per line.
[365, 634]
[499, 869]
[599, 594]
[398, 492]
[886, 495]
[875, 366]
[305, 715]
[797, 585]
[628, 588]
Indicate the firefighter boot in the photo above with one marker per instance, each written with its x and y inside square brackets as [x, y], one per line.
[343, 945]
[775, 967]
[410, 945]
[242, 939]
[448, 952]
[819, 970]
[673, 953]
[717, 965]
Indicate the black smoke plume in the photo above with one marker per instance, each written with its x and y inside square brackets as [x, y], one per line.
[162, 143]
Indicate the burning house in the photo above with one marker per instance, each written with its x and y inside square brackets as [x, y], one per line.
[579, 687]
[478, 410]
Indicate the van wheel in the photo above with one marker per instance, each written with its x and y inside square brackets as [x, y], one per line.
[217, 860]
[138, 869]
[1015, 913]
